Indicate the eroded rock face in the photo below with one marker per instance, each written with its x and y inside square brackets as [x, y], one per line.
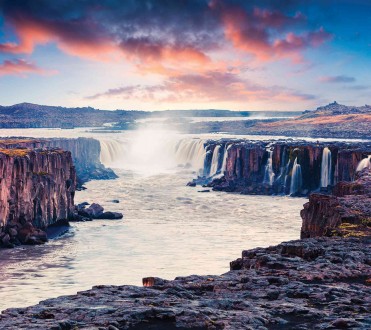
[308, 284]
[267, 167]
[349, 206]
[85, 154]
[37, 189]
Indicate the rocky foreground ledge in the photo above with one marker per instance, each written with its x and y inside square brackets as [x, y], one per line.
[316, 283]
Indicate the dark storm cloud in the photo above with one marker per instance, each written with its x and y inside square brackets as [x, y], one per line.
[150, 30]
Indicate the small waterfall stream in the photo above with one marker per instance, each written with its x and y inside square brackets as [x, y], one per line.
[326, 170]
[366, 162]
[215, 161]
[225, 156]
[296, 178]
[269, 174]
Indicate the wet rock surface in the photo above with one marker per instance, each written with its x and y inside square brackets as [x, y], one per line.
[242, 165]
[320, 283]
[94, 211]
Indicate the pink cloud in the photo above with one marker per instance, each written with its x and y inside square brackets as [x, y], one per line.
[210, 86]
[21, 68]
[253, 34]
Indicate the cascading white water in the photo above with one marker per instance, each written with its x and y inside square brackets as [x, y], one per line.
[366, 162]
[326, 171]
[269, 174]
[215, 161]
[112, 151]
[152, 151]
[192, 152]
[296, 178]
[225, 156]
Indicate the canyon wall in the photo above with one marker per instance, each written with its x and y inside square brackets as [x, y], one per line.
[346, 211]
[85, 153]
[281, 167]
[37, 189]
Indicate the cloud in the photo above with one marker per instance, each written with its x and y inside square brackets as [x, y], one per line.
[22, 68]
[209, 86]
[337, 79]
[163, 31]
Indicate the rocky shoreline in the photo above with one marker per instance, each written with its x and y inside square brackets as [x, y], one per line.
[317, 283]
[312, 283]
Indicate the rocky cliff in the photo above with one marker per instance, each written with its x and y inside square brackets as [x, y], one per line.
[280, 167]
[347, 211]
[37, 190]
[85, 153]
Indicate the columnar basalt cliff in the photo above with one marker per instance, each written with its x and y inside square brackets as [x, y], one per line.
[280, 167]
[85, 153]
[37, 190]
[347, 211]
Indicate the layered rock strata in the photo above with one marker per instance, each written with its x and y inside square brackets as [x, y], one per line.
[346, 212]
[85, 153]
[37, 189]
[269, 167]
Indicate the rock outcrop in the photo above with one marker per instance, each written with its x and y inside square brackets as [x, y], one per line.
[346, 212]
[308, 284]
[95, 211]
[37, 190]
[280, 167]
[85, 153]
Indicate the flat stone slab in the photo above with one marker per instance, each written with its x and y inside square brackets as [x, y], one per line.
[316, 283]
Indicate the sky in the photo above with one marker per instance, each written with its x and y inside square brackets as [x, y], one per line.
[185, 54]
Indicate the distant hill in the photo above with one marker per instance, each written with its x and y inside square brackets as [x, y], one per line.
[28, 115]
[336, 109]
[332, 121]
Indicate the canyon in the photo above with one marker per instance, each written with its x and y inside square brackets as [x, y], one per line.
[289, 285]
[318, 282]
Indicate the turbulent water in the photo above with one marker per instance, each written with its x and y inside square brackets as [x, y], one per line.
[168, 229]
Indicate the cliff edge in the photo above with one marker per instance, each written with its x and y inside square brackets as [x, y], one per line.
[347, 212]
[37, 189]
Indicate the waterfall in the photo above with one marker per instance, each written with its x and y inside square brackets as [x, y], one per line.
[152, 152]
[269, 174]
[215, 161]
[112, 151]
[191, 152]
[296, 178]
[326, 168]
[366, 162]
[225, 156]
